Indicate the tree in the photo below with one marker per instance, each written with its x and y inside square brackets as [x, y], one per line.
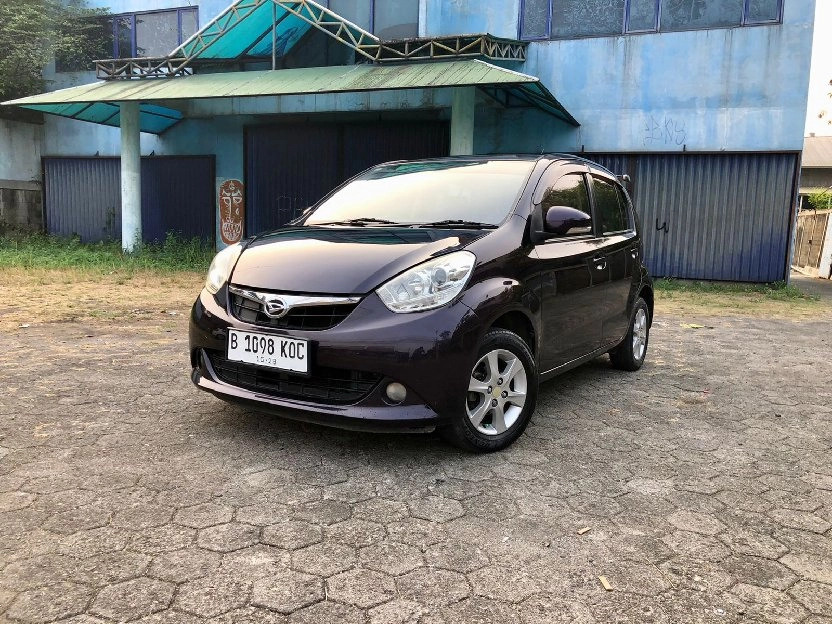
[33, 32]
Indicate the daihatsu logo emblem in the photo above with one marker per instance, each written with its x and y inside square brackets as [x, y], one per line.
[275, 308]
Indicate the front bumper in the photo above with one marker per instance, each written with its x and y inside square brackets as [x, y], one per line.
[431, 353]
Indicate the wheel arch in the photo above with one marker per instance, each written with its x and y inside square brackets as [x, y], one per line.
[517, 322]
[646, 293]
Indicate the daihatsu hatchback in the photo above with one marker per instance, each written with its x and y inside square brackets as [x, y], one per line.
[429, 294]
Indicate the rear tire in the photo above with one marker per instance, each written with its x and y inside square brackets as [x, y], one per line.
[501, 396]
[630, 354]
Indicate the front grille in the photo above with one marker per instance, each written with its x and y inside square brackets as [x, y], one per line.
[325, 385]
[310, 318]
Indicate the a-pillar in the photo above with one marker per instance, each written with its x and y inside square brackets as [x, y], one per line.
[462, 121]
[131, 177]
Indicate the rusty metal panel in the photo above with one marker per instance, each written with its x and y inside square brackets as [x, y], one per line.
[712, 216]
[810, 238]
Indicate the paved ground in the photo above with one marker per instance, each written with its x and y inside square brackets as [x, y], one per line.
[705, 481]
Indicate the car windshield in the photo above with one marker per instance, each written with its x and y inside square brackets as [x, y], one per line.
[450, 193]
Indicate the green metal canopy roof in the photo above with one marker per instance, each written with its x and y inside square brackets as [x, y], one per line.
[98, 102]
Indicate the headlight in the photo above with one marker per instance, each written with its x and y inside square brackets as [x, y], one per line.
[221, 266]
[428, 285]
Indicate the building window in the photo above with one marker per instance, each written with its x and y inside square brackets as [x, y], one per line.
[384, 18]
[133, 35]
[152, 34]
[568, 19]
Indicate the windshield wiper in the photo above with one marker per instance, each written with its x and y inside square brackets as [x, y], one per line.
[458, 224]
[360, 221]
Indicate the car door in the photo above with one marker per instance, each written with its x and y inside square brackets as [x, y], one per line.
[619, 246]
[571, 297]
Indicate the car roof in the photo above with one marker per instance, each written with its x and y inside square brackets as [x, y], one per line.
[550, 157]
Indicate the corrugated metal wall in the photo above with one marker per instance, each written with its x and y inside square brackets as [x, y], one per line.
[290, 167]
[83, 197]
[712, 216]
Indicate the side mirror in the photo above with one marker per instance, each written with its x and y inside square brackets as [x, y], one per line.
[566, 221]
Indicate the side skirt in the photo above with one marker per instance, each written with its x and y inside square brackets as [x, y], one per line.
[547, 375]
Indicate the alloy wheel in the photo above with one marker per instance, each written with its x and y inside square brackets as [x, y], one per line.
[496, 392]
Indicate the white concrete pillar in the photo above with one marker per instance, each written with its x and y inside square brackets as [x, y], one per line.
[131, 177]
[462, 121]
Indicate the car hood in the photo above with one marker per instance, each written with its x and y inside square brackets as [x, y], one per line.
[338, 260]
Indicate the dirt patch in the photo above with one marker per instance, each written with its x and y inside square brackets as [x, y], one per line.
[38, 296]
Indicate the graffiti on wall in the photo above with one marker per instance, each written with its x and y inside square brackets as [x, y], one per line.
[664, 131]
[232, 211]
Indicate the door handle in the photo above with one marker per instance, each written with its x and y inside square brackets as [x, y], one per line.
[600, 262]
[634, 252]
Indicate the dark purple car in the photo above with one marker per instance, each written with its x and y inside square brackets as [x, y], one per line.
[429, 294]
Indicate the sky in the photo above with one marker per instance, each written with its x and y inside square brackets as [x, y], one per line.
[821, 73]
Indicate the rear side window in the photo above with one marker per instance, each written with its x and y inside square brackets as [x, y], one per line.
[611, 207]
[570, 190]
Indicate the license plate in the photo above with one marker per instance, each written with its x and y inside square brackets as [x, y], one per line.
[290, 354]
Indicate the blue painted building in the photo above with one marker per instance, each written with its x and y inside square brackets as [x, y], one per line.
[701, 102]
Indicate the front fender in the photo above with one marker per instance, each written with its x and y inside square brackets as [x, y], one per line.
[492, 298]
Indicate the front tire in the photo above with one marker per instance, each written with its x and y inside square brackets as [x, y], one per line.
[501, 396]
[630, 354]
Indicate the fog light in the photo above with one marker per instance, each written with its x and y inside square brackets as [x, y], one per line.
[396, 392]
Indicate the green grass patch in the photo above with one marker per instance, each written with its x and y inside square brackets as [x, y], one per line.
[778, 291]
[38, 251]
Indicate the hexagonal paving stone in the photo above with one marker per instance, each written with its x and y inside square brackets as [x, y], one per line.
[322, 512]
[163, 539]
[380, 510]
[696, 545]
[548, 609]
[417, 532]
[142, 516]
[131, 600]
[168, 616]
[758, 571]
[398, 611]
[362, 588]
[93, 542]
[248, 615]
[12, 501]
[350, 491]
[228, 537]
[636, 578]
[292, 535]
[456, 555]
[814, 596]
[321, 475]
[356, 533]
[287, 591]
[745, 541]
[324, 559]
[183, 565]
[46, 604]
[255, 561]
[80, 519]
[327, 613]
[212, 595]
[37, 571]
[436, 508]
[204, 515]
[504, 583]
[800, 520]
[433, 587]
[696, 522]
[490, 507]
[769, 604]
[264, 514]
[391, 557]
[483, 610]
[111, 568]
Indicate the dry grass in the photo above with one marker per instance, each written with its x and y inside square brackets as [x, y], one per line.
[36, 296]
